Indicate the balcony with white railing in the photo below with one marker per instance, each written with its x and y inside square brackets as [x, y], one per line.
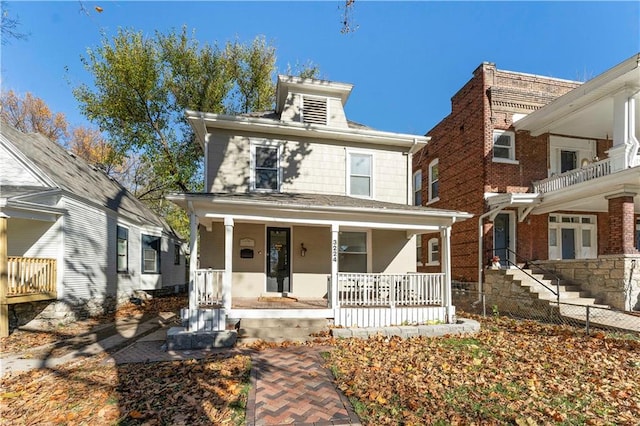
[390, 290]
[592, 171]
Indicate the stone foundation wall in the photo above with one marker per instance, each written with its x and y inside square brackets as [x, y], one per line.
[59, 312]
[505, 295]
[612, 279]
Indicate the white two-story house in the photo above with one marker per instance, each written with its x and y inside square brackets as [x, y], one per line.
[302, 203]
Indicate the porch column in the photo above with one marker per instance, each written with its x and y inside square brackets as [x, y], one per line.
[228, 262]
[621, 224]
[445, 238]
[193, 260]
[623, 153]
[335, 229]
[4, 279]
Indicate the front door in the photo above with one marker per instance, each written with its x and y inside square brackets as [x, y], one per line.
[501, 238]
[568, 243]
[278, 260]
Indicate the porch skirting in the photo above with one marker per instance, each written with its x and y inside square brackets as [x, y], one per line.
[387, 316]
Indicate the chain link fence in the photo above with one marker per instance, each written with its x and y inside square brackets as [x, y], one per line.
[583, 318]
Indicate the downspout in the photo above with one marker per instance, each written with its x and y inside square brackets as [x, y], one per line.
[480, 249]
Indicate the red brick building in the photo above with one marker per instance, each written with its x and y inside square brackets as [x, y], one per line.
[549, 168]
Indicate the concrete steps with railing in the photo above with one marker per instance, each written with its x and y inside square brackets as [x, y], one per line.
[279, 329]
[545, 286]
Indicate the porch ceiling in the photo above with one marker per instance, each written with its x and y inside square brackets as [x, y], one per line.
[317, 209]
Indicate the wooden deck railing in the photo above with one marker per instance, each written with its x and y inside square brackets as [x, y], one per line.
[572, 177]
[390, 289]
[29, 276]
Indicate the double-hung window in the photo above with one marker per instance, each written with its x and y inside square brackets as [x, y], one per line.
[434, 181]
[353, 252]
[150, 254]
[122, 245]
[434, 252]
[265, 167]
[360, 182]
[419, 250]
[504, 146]
[417, 188]
[176, 254]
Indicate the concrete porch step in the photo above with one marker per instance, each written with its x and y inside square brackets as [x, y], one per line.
[279, 329]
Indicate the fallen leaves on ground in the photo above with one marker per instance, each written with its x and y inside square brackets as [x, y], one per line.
[512, 372]
[196, 392]
[28, 338]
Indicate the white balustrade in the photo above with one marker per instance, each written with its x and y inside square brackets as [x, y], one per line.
[573, 177]
[413, 289]
[208, 286]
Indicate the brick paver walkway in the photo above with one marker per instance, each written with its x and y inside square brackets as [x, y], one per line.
[290, 386]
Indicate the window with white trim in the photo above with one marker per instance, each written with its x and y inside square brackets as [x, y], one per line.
[122, 245]
[433, 252]
[504, 145]
[360, 182]
[314, 110]
[265, 167]
[417, 188]
[419, 250]
[150, 254]
[176, 254]
[434, 181]
[353, 252]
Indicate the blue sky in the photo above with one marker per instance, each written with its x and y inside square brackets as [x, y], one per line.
[406, 60]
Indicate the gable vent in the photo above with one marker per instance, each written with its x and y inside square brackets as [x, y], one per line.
[314, 110]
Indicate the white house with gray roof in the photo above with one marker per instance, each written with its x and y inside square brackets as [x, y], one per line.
[71, 234]
[303, 205]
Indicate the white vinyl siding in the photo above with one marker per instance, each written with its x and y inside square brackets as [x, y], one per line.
[311, 167]
[15, 173]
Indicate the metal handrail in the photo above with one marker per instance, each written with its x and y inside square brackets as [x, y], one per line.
[527, 262]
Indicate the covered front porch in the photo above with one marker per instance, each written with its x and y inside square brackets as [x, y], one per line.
[350, 261]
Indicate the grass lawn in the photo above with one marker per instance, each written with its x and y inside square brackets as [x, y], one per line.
[512, 372]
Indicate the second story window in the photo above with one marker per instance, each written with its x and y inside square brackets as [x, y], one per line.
[360, 182]
[434, 181]
[265, 167]
[417, 188]
[503, 146]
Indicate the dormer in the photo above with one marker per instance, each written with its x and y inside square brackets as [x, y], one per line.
[311, 101]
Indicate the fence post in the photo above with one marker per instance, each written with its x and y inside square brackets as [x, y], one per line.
[587, 319]
[4, 279]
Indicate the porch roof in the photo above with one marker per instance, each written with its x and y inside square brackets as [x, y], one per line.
[316, 209]
[13, 204]
[586, 111]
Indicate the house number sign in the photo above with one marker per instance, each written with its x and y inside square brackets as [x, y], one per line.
[334, 250]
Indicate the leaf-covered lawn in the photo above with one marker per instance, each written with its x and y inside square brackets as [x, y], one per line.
[204, 392]
[512, 372]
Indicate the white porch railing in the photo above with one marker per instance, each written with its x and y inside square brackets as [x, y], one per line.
[208, 286]
[572, 177]
[356, 289]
